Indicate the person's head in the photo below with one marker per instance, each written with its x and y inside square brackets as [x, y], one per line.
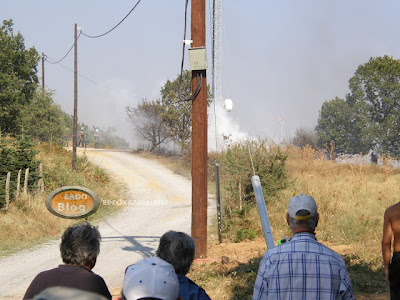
[80, 245]
[150, 278]
[302, 214]
[178, 249]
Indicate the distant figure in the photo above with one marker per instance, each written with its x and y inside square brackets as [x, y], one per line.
[80, 246]
[150, 278]
[374, 158]
[65, 140]
[391, 228]
[302, 268]
[178, 249]
[82, 138]
[96, 138]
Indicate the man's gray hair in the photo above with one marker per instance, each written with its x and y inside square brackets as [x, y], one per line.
[177, 248]
[80, 244]
[310, 223]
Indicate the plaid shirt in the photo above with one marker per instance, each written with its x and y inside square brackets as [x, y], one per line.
[302, 269]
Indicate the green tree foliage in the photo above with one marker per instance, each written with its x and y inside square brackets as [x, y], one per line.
[269, 165]
[369, 118]
[18, 79]
[44, 120]
[148, 123]
[304, 137]
[376, 88]
[17, 155]
[177, 113]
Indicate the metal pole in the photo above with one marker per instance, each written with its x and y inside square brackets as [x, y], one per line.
[218, 196]
[74, 137]
[199, 137]
[42, 70]
[262, 210]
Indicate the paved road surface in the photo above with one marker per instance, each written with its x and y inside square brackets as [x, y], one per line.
[127, 237]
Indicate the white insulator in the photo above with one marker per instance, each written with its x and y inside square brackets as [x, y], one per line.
[228, 104]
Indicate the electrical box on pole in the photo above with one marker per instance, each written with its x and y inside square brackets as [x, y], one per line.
[198, 59]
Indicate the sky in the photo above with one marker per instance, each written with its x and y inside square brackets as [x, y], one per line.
[280, 59]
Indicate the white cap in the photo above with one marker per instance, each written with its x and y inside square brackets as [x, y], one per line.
[150, 278]
[82, 128]
[302, 202]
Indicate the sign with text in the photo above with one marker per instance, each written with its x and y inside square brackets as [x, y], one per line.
[72, 202]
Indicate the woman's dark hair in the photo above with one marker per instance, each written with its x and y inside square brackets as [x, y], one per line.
[80, 244]
[177, 248]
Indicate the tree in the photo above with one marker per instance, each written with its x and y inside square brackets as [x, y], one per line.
[376, 88]
[42, 119]
[369, 118]
[340, 123]
[176, 112]
[304, 137]
[18, 79]
[148, 123]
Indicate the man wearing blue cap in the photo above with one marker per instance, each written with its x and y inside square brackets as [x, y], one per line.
[302, 268]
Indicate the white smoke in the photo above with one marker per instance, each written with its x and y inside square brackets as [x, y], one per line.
[223, 129]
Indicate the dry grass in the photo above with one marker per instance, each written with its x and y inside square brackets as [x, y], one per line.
[28, 222]
[351, 200]
[351, 197]
[176, 164]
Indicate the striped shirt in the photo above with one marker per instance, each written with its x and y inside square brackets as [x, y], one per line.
[302, 269]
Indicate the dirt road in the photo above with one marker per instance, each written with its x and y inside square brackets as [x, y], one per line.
[159, 201]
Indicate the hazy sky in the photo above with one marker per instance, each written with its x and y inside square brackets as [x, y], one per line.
[280, 59]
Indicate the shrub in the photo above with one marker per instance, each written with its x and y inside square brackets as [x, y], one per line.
[17, 154]
[237, 168]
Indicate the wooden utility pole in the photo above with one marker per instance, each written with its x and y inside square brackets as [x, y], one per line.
[199, 136]
[42, 70]
[74, 137]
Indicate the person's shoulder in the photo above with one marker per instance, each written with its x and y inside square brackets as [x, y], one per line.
[189, 287]
[49, 272]
[393, 209]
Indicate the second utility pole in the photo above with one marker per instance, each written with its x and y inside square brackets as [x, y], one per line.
[74, 137]
[199, 136]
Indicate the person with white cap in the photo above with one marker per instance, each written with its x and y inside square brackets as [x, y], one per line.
[96, 138]
[82, 138]
[302, 268]
[150, 278]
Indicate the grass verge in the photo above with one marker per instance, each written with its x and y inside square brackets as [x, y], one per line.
[28, 222]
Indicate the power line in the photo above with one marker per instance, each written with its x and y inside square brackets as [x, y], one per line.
[56, 62]
[46, 58]
[100, 35]
[88, 79]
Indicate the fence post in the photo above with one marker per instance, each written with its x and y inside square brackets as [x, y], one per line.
[240, 192]
[7, 191]
[41, 181]
[26, 181]
[218, 197]
[18, 184]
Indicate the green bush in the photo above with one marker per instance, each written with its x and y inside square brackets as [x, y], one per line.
[17, 154]
[237, 169]
[242, 234]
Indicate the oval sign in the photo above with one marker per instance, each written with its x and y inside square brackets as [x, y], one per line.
[72, 202]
